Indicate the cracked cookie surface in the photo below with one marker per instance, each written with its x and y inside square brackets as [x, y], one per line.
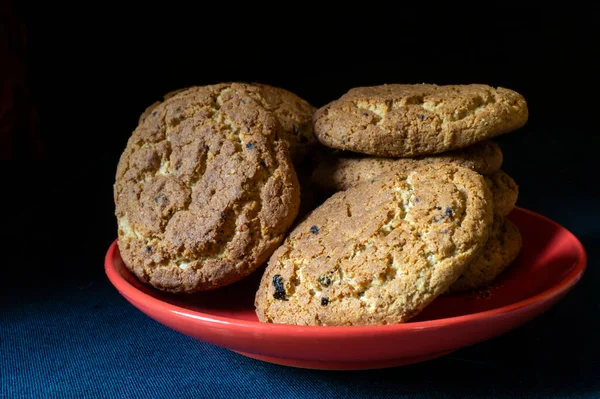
[410, 120]
[293, 114]
[500, 251]
[342, 171]
[378, 253]
[204, 190]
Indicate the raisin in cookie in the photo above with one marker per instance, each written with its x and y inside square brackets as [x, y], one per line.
[342, 171]
[204, 190]
[501, 250]
[411, 120]
[378, 253]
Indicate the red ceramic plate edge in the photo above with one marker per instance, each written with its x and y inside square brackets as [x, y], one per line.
[559, 289]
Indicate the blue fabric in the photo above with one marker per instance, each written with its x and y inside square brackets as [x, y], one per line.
[87, 341]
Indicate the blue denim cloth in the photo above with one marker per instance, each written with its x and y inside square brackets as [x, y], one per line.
[88, 342]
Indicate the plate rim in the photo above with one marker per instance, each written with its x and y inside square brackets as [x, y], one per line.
[129, 291]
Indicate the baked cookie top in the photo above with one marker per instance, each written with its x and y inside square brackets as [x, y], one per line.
[410, 120]
[293, 114]
[378, 253]
[500, 251]
[342, 171]
[204, 190]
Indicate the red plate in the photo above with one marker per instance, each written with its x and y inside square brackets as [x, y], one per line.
[551, 263]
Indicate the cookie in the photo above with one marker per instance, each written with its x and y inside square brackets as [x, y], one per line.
[378, 253]
[295, 117]
[204, 190]
[349, 169]
[293, 114]
[504, 190]
[149, 110]
[501, 250]
[411, 120]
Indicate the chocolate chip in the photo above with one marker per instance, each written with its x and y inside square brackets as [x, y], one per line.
[179, 165]
[439, 208]
[417, 200]
[279, 288]
[325, 281]
[324, 301]
[242, 101]
[314, 230]
[421, 117]
[448, 212]
[373, 181]
[365, 114]
[154, 113]
[295, 129]
[250, 146]
[148, 250]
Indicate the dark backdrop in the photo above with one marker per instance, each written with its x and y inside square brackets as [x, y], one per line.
[74, 86]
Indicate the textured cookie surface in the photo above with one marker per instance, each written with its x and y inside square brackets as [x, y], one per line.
[293, 114]
[204, 190]
[410, 120]
[504, 190]
[340, 172]
[501, 250]
[378, 253]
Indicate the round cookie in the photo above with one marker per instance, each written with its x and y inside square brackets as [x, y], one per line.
[293, 114]
[347, 170]
[204, 190]
[501, 250]
[378, 253]
[504, 190]
[411, 120]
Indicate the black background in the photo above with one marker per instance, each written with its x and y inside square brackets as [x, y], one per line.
[91, 75]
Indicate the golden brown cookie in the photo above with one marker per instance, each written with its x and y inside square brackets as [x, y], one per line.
[411, 120]
[378, 253]
[204, 190]
[504, 190]
[501, 250]
[295, 117]
[293, 114]
[342, 171]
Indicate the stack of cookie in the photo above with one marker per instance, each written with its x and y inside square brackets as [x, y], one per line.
[207, 189]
